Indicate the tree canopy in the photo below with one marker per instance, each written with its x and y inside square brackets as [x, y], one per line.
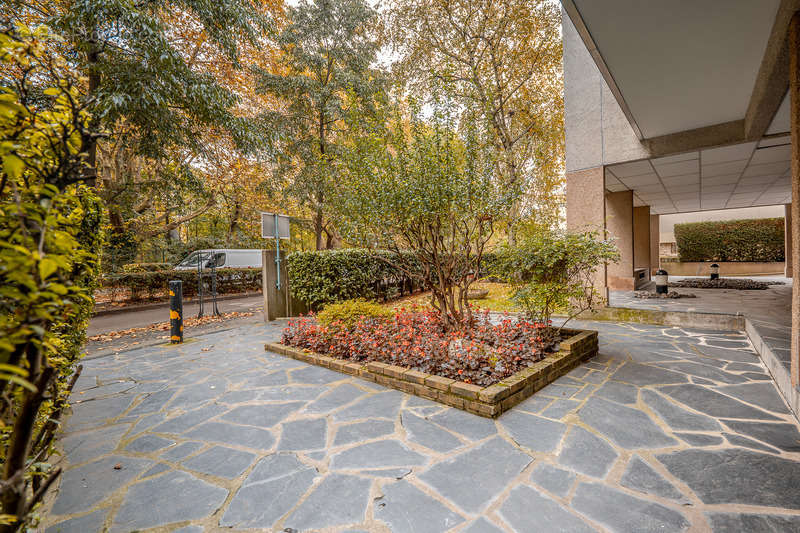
[501, 59]
[324, 75]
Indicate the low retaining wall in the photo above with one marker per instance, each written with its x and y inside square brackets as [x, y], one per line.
[781, 375]
[744, 268]
[712, 321]
[488, 402]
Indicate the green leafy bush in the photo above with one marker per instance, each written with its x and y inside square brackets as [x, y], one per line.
[145, 267]
[50, 236]
[731, 240]
[346, 314]
[553, 271]
[149, 285]
[324, 277]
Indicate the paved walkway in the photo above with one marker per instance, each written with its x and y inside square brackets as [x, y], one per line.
[769, 311]
[666, 430]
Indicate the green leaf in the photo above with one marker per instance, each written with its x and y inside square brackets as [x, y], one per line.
[47, 267]
[13, 165]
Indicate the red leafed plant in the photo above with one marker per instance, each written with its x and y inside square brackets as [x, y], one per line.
[483, 353]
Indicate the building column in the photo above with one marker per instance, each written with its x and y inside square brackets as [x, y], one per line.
[586, 210]
[787, 240]
[641, 240]
[655, 244]
[794, 120]
[619, 225]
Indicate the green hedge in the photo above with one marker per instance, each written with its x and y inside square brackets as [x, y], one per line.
[322, 277]
[146, 285]
[145, 267]
[731, 240]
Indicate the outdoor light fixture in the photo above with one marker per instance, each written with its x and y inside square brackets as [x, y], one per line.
[714, 271]
[661, 281]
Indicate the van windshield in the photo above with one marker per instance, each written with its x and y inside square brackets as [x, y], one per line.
[209, 260]
[190, 260]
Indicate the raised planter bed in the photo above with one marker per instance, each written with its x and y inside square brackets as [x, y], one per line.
[490, 402]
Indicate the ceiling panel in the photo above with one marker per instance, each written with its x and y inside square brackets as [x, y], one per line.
[635, 168]
[722, 169]
[681, 180]
[645, 179]
[772, 154]
[767, 169]
[772, 141]
[677, 169]
[721, 180]
[676, 158]
[760, 178]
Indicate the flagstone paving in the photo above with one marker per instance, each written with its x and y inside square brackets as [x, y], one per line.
[667, 429]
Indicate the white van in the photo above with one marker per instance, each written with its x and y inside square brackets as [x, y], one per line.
[221, 258]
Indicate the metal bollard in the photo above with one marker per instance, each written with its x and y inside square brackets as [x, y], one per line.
[714, 271]
[176, 311]
[662, 286]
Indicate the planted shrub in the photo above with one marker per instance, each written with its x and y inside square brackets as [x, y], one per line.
[50, 230]
[329, 276]
[554, 271]
[483, 353]
[731, 240]
[347, 314]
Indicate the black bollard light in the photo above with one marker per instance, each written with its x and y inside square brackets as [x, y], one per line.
[176, 311]
[714, 271]
[662, 286]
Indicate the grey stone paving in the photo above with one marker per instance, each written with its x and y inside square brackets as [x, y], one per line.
[668, 429]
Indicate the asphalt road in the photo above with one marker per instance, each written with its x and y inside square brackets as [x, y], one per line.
[136, 319]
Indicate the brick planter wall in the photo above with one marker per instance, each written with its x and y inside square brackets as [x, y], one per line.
[490, 402]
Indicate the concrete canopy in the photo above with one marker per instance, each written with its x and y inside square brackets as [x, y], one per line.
[739, 175]
[703, 86]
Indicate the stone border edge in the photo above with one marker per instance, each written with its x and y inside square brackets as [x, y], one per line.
[489, 402]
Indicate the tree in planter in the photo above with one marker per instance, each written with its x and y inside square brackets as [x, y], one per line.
[325, 74]
[554, 271]
[50, 236]
[422, 187]
[504, 59]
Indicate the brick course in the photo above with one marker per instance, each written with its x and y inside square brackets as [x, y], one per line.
[488, 401]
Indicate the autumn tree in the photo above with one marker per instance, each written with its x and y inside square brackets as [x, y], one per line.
[425, 185]
[155, 86]
[502, 58]
[324, 73]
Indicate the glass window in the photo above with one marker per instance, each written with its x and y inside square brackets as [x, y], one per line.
[190, 260]
[217, 261]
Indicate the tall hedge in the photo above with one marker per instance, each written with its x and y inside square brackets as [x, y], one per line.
[731, 240]
[330, 276]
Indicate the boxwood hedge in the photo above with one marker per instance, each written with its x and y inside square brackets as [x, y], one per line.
[731, 240]
[330, 276]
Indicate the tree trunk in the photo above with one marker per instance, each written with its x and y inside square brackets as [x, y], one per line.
[234, 224]
[319, 230]
[89, 140]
